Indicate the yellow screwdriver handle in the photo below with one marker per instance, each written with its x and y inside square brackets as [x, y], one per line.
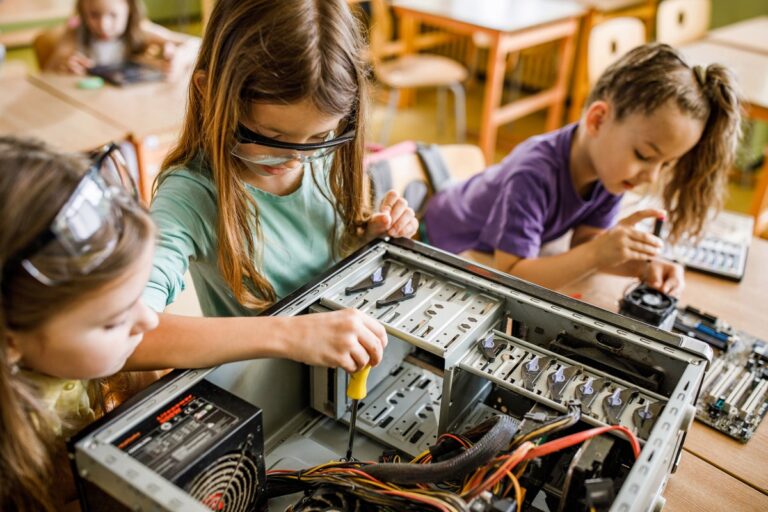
[356, 389]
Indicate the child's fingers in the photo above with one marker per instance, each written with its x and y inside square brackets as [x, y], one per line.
[401, 225]
[370, 349]
[637, 250]
[654, 276]
[399, 207]
[360, 356]
[82, 60]
[169, 50]
[645, 238]
[674, 279]
[379, 223]
[643, 214]
[377, 329]
[389, 201]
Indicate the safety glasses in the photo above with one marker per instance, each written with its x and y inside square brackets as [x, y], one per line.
[258, 149]
[88, 226]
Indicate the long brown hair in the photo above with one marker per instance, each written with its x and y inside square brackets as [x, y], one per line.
[650, 76]
[133, 34]
[35, 181]
[276, 53]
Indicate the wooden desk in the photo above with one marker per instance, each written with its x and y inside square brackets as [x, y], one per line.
[743, 305]
[698, 485]
[509, 27]
[750, 35]
[150, 113]
[28, 110]
[13, 12]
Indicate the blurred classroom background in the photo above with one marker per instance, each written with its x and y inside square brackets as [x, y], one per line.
[544, 80]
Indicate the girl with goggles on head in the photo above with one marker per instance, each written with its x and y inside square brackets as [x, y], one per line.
[75, 251]
[265, 188]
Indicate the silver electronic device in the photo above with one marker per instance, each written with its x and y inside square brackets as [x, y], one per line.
[465, 343]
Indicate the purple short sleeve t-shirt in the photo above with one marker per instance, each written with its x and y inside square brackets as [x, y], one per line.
[519, 204]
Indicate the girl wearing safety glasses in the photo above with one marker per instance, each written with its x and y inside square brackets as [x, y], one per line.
[265, 188]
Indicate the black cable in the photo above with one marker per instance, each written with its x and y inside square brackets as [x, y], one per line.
[494, 441]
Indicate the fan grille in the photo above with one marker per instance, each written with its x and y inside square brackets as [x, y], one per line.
[230, 484]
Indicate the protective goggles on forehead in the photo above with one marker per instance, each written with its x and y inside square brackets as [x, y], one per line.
[88, 226]
[258, 149]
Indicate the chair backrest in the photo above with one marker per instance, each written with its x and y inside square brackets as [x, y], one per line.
[611, 39]
[682, 21]
[403, 167]
[45, 43]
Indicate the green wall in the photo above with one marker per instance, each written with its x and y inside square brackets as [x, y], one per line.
[731, 11]
[171, 10]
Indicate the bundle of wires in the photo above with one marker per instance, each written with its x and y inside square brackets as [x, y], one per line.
[390, 487]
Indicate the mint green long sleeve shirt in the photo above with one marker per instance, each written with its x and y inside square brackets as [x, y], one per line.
[295, 246]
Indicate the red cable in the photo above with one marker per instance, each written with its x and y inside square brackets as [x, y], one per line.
[580, 437]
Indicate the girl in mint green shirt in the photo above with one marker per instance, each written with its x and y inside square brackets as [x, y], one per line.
[264, 189]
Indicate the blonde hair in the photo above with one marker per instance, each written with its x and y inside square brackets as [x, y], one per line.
[275, 53]
[648, 77]
[133, 34]
[34, 178]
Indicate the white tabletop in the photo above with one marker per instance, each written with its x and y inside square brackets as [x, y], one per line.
[610, 5]
[499, 15]
[751, 68]
[751, 34]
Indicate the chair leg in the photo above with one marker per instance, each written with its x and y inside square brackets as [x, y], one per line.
[389, 117]
[760, 200]
[460, 105]
[442, 106]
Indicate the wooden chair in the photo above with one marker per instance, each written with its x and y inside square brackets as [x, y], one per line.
[414, 72]
[682, 21]
[644, 10]
[45, 42]
[760, 202]
[404, 168]
[609, 40]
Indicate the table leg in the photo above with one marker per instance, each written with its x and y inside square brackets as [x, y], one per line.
[407, 28]
[565, 57]
[580, 78]
[494, 82]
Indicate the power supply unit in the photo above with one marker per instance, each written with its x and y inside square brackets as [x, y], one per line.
[185, 444]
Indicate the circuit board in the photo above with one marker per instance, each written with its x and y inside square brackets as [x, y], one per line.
[734, 395]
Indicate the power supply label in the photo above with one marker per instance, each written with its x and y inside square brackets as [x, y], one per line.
[171, 438]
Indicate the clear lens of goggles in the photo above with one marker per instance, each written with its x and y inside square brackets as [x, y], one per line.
[260, 155]
[87, 228]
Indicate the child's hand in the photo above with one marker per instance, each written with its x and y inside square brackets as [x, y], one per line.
[176, 59]
[394, 218]
[623, 242]
[77, 64]
[665, 276]
[348, 339]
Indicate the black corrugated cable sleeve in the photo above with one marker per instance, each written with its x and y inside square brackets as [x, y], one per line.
[496, 440]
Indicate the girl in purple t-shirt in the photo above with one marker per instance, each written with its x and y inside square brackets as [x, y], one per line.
[649, 117]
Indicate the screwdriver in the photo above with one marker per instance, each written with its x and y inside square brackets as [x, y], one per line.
[356, 391]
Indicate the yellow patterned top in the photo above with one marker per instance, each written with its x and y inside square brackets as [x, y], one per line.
[67, 400]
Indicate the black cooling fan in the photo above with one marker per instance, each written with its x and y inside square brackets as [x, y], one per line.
[649, 305]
